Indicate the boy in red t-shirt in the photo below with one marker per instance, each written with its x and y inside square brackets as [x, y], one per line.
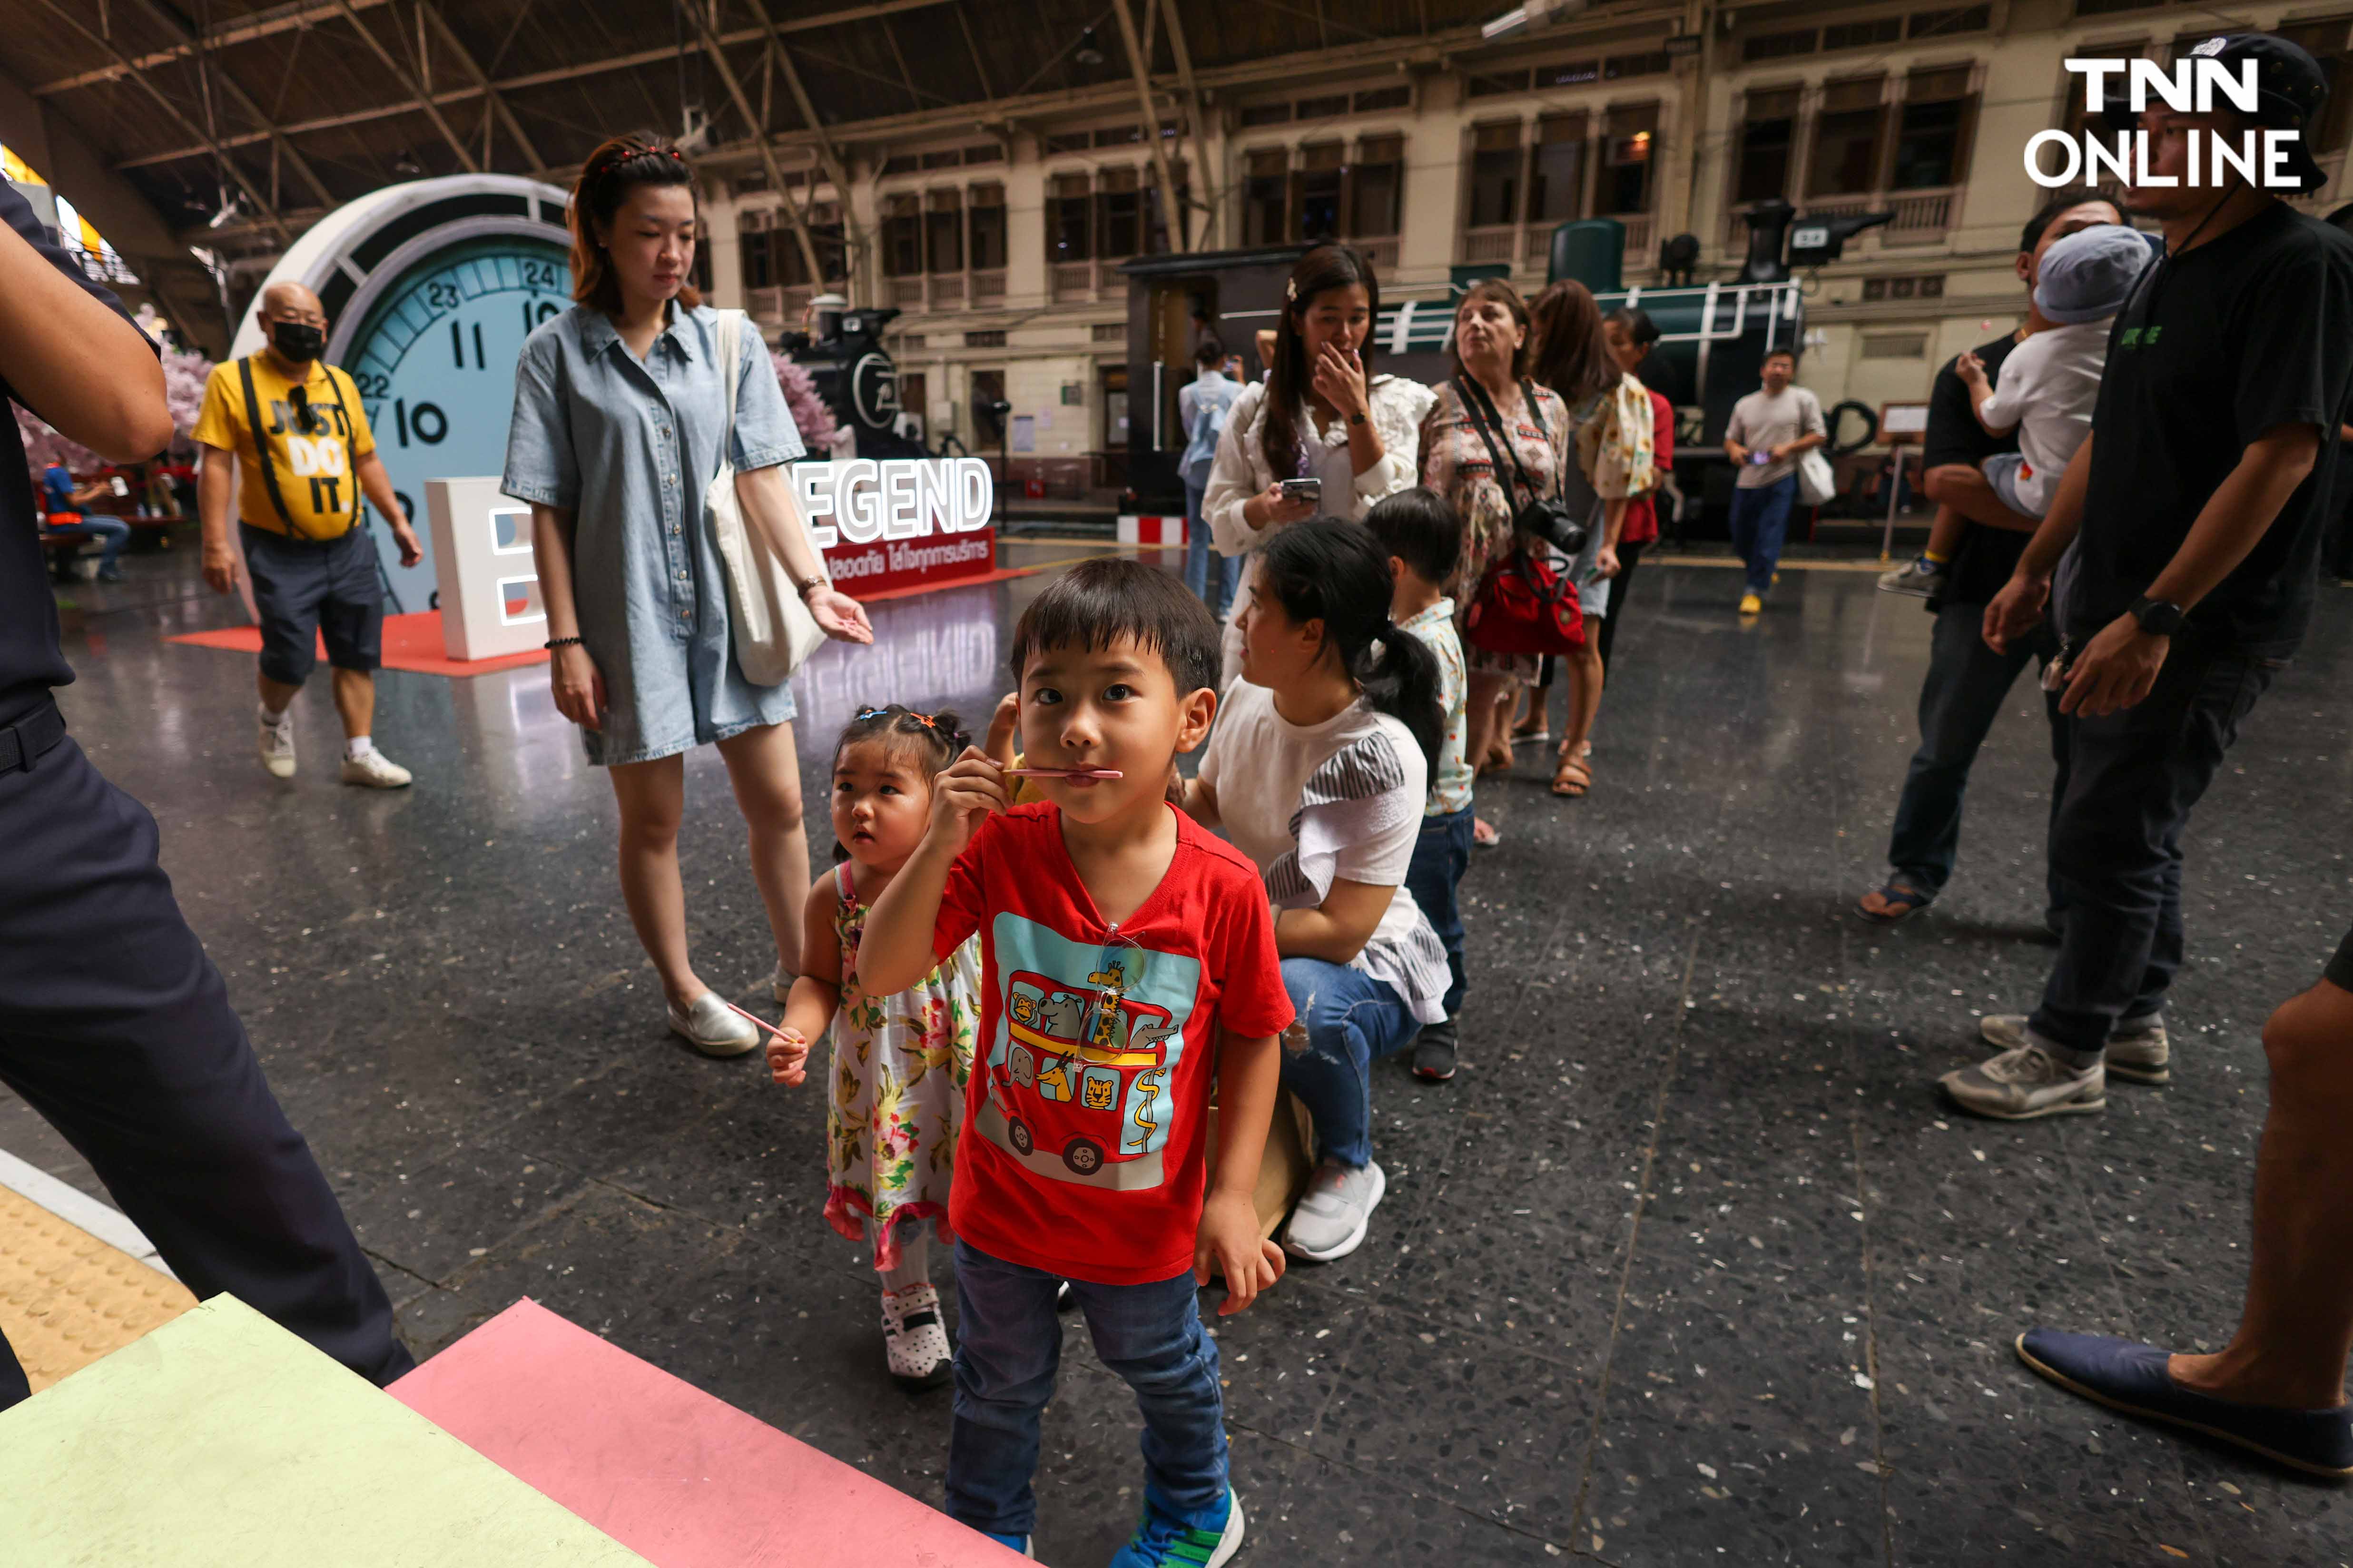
[1128, 961]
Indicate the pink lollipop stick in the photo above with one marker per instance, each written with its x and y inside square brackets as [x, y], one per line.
[755, 1018]
[1063, 773]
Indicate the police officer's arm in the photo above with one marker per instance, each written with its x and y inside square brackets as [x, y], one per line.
[377, 485]
[67, 353]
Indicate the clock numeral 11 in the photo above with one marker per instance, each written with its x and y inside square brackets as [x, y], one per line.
[458, 345]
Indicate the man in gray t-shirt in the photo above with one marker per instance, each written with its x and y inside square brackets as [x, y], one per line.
[1768, 431]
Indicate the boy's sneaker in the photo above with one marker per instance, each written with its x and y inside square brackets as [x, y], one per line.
[1919, 577]
[1331, 1220]
[275, 742]
[1751, 604]
[914, 1339]
[2138, 1050]
[1164, 1541]
[1013, 1544]
[371, 769]
[2030, 1082]
[1434, 1053]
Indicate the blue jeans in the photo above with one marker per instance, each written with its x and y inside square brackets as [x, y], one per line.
[1963, 693]
[113, 531]
[2116, 839]
[1008, 1350]
[1440, 856]
[1760, 523]
[1207, 574]
[1352, 1019]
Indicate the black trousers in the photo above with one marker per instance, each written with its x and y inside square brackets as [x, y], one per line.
[1628, 557]
[116, 1028]
[2116, 839]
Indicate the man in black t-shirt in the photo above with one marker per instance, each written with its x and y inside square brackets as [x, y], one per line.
[1968, 681]
[113, 1024]
[2194, 510]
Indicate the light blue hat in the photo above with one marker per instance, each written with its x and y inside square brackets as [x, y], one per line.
[2087, 276]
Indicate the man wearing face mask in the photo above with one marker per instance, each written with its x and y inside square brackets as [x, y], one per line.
[303, 451]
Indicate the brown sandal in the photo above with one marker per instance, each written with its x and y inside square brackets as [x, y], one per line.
[1572, 778]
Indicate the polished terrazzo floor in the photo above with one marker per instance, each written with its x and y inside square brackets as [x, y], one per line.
[1689, 1265]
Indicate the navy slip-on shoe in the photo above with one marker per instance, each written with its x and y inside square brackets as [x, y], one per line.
[2133, 1378]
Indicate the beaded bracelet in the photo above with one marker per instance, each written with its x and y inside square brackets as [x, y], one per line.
[554, 642]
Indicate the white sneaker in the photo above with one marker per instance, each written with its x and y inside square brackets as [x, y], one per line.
[915, 1337]
[375, 770]
[276, 745]
[2026, 1083]
[2138, 1050]
[712, 1027]
[1331, 1219]
[1919, 577]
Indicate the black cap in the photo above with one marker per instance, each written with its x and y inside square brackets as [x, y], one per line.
[2291, 93]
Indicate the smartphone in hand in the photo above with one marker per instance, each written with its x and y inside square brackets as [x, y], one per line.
[1302, 490]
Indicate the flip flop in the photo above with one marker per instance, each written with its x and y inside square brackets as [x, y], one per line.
[1907, 902]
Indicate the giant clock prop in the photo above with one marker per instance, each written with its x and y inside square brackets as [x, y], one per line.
[430, 288]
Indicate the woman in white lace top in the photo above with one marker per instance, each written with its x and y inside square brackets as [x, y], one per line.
[1321, 414]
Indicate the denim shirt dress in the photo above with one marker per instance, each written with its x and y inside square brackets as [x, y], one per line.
[628, 448]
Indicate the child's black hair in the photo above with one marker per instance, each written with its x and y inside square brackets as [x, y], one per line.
[1337, 573]
[938, 738]
[1420, 529]
[1636, 323]
[1097, 603]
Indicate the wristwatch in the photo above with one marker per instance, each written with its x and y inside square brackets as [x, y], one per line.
[1356, 418]
[810, 585]
[2157, 618]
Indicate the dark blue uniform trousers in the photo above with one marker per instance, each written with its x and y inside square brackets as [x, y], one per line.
[115, 1027]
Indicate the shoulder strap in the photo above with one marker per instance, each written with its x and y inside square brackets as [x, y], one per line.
[261, 447]
[1482, 413]
[1535, 409]
[730, 352]
[846, 885]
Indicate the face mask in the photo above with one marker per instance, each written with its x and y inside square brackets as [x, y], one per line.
[297, 341]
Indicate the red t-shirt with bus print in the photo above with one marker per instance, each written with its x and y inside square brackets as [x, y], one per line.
[1085, 1122]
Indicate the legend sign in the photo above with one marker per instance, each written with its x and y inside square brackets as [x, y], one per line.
[900, 523]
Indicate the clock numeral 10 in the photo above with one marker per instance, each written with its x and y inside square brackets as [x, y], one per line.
[431, 425]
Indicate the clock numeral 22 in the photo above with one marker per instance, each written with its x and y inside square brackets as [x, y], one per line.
[428, 421]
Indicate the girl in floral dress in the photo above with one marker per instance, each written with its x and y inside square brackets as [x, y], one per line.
[895, 1089]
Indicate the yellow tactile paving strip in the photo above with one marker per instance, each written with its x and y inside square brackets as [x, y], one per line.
[67, 1297]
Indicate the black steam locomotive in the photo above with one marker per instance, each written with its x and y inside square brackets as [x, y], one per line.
[855, 374]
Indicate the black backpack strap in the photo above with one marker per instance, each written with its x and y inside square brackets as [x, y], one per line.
[1475, 403]
[262, 446]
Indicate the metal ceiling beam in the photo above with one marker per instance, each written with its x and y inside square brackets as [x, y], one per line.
[483, 78]
[972, 46]
[286, 18]
[735, 85]
[244, 104]
[414, 90]
[1141, 68]
[1213, 199]
[245, 182]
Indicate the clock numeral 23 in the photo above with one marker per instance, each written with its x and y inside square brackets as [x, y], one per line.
[426, 420]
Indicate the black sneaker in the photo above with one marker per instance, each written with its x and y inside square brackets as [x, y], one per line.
[1433, 1054]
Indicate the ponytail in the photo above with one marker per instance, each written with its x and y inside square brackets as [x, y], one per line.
[1335, 572]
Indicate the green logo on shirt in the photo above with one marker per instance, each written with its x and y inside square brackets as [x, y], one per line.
[2139, 338]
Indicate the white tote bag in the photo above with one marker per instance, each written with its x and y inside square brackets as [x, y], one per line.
[772, 628]
[1817, 481]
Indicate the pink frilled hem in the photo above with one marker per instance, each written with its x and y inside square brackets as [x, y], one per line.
[850, 1212]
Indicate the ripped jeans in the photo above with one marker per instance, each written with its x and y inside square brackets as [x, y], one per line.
[1351, 1020]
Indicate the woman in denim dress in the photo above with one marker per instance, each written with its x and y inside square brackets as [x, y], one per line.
[619, 413]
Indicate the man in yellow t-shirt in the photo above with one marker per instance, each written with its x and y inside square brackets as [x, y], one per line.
[296, 427]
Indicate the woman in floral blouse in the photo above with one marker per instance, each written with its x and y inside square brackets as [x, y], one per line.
[1491, 351]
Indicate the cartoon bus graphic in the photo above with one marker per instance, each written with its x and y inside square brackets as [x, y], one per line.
[1075, 1058]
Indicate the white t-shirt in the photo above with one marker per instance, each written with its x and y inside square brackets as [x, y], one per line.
[1340, 801]
[2047, 388]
